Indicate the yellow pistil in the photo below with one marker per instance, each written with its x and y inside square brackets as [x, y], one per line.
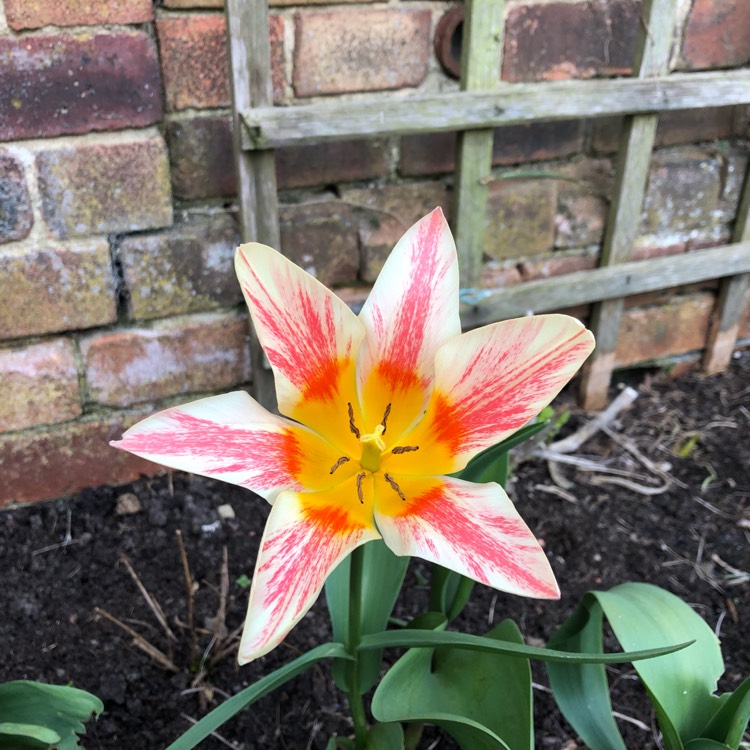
[372, 449]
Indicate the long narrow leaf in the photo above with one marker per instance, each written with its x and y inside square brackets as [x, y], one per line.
[581, 690]
[410, 638]
[213, 720]
[382, 576]
[728, 724]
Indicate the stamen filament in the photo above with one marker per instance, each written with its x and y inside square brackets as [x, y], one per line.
[352, 426]
[396, 488]
[360, 494]
[405, 448]
[385, 418]
[338, 463]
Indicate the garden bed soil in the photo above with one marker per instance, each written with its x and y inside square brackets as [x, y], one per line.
[65, 562]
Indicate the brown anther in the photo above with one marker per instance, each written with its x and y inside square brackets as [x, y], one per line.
[396, 488]
[338, 463]
[352, 426]
[405, 448]
[360, 494]
[385, 417]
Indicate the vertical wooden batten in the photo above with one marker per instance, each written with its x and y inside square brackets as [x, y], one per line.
[634, 157]
[481, 56]
[250, 56]
[722, 335]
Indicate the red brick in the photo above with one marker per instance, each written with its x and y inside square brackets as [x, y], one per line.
[682, 192]
[428, 154]
[38, 385]
[200, 152]
[63, 84]
[200, 353]
[539, 141]
[649, 247]
[56, 289]
[520, 218]
[705, 237]
[385, 212]
[42, 465]
[16, 218]
[435, 153]
[584, 186]
[33, 14]
[201, 157]
[495, 276]
[676, 127]
[195, 64]
[326, 163]
[556, 265]
[93, 189]
[187, 268]
[339, 51]
[557, 40]
[676, 328]
[322, 239]
[717, 34]
[407, 202]
[190, 4]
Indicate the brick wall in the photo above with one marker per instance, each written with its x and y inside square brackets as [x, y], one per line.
[117, 214]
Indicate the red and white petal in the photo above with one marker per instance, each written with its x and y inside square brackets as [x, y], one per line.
[491, 381]
[311, 339]
[233, 438]
[473, 529]
[307, 535]
[411, 311]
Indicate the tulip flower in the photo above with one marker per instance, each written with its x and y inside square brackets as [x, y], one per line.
[378, 409]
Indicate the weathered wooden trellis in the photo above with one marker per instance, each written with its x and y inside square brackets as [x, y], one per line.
[483, 104]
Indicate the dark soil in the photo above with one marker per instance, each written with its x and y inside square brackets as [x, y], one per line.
[62, 560]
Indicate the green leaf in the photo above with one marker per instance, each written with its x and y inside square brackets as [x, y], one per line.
[388, 736]
[14, 735]
[681, 685]
[58, 709]
[382, 576]
[213, 720]
[449, 591]
[581, 690]
[491, 465]
[408, 638]
[702, 743]
[518, 437]
[728, 724]
[484, 701]
[340, 743]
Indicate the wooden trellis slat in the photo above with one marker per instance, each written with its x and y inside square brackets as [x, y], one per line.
[481, 54]
[250, 55]
[603, 283]
[509, 104]
[722, 336]
[634, 158]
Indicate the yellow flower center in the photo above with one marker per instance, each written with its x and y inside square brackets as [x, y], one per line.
[372, 449]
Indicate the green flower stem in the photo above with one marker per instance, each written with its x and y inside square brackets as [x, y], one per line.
[355, 633]
[438, 577]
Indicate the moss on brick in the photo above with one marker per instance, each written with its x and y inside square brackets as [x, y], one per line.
[56, 289]
[95, 189]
